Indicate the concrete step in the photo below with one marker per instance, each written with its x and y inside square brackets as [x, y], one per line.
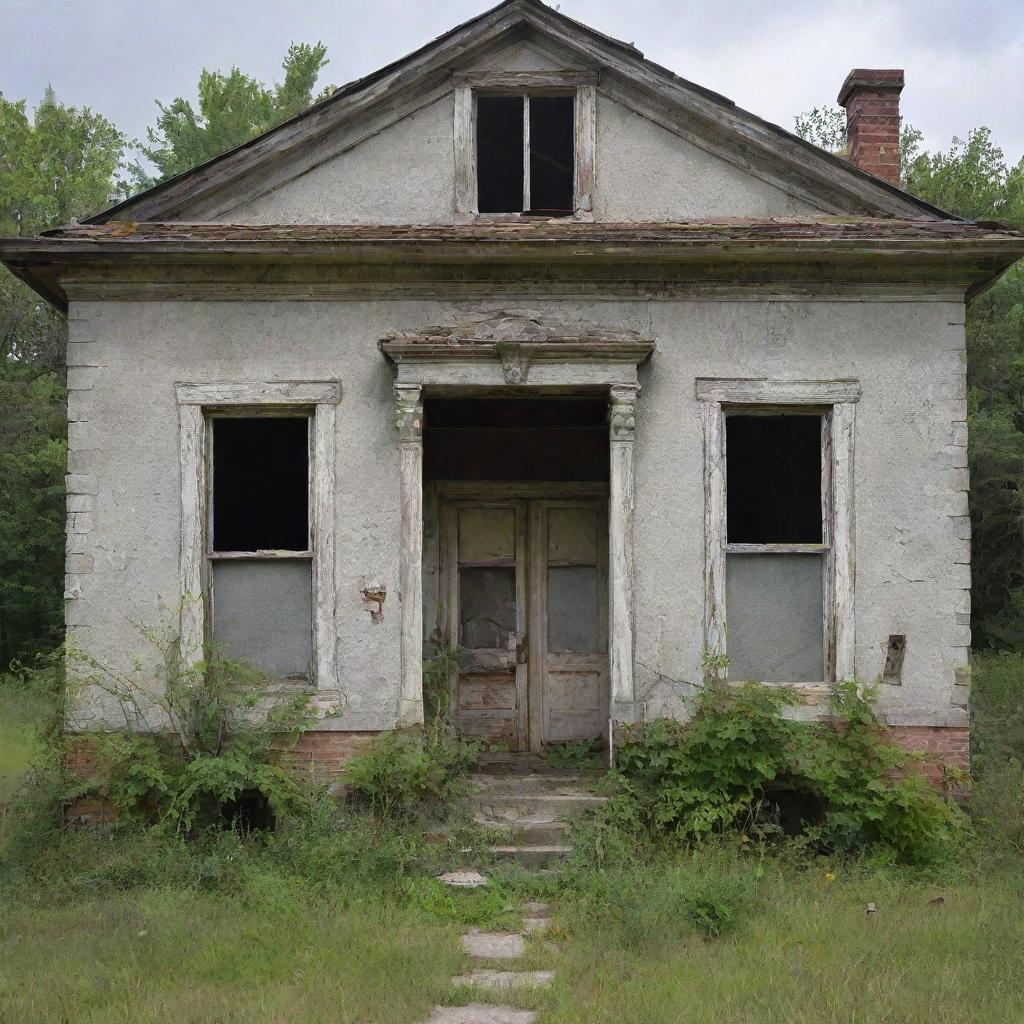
[511, 807]
[564, 783]
[533, 856]
[526, 832]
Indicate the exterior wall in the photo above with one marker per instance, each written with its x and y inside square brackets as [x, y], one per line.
[912, 571]
[675, 180]
[406, 175]
[403, 175]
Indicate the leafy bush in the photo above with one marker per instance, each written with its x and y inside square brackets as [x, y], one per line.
[203, 748]
[408, 770]
[740, 763]
[997, 711]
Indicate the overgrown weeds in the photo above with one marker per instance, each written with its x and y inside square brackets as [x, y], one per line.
[741, 764]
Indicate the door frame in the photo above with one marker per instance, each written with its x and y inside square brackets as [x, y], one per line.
[451, 496]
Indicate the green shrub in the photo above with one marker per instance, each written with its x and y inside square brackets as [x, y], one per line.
[997, 806]
[997, 711]
[740, 763]
[202, 748]
[407, 771]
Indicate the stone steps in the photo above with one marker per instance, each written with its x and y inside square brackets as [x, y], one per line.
[488, 947]
[530, 805]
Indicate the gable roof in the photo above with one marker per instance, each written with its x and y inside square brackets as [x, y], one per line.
[702, 117]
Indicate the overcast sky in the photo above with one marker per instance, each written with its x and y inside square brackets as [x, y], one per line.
[964, 59]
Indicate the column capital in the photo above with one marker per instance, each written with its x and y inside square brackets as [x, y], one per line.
[622, 411]
[409, 413]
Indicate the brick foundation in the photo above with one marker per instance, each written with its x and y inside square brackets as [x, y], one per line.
[942, 746]
[325, 753]
[322, 754]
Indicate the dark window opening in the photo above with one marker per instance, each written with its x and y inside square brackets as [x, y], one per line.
[516, 439]
[552, 154]
[261, 483]
[773, 479]
[499, 154]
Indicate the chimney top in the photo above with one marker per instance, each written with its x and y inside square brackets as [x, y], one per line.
[872, 100]
[871, 80]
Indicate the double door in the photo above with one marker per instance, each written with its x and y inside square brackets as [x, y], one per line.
[525, 595]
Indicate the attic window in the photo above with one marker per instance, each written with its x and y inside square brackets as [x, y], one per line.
[524, 143]
[525, 154]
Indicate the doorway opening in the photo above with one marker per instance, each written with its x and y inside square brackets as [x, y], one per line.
[516, 564]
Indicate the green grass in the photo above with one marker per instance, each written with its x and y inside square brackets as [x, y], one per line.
[322, 925]
[168, 957]
[17, 713]
[810, 954]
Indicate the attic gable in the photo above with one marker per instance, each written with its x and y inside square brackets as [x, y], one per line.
[802, 178]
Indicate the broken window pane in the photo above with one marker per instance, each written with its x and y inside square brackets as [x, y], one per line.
[262, 614]
[773, 479]
[552, 154]
[775, 626]
[574, 603]
[487, 606]
[499, 153]
[261, 483]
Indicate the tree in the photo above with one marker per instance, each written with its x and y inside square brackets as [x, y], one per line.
[972, 180]
[233, 108]
[59, 163]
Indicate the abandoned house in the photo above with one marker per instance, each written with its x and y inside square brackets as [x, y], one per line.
[524, 344]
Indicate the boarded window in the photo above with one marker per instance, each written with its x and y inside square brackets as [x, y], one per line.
[775, 556]
[508, 128]
[260, 563]
[262, 614]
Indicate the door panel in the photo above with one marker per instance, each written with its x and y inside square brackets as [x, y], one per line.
[542, 562]
[487, 612]
[569, 674]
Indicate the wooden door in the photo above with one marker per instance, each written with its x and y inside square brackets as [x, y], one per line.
[568, 685]
[485, 592]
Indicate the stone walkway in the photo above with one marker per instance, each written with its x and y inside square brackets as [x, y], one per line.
[491, 948]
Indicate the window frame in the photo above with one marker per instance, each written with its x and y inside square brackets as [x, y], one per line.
[836, 402]
[198, 406]
[582, 85]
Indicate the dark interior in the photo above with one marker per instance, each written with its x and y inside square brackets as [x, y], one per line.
[515, 439]
[499, 153]
[552, 155]
[773, 479]
[261, 483]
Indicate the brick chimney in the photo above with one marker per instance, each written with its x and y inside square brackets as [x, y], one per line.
[871, 97]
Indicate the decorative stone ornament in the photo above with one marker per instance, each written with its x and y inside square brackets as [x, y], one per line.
[622, 412]
[409, 413]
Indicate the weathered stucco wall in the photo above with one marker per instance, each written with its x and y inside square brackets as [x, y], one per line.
[403, 175]
[910, 503]
[406, 175]
[674, 180]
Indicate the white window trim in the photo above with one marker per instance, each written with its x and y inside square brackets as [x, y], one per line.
[584, 86]
[195, 402]
[840, 397]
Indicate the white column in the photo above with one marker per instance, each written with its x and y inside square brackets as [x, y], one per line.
[621, 428]
[410, 467]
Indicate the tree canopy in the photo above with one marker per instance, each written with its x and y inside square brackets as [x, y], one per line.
[233, 108]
